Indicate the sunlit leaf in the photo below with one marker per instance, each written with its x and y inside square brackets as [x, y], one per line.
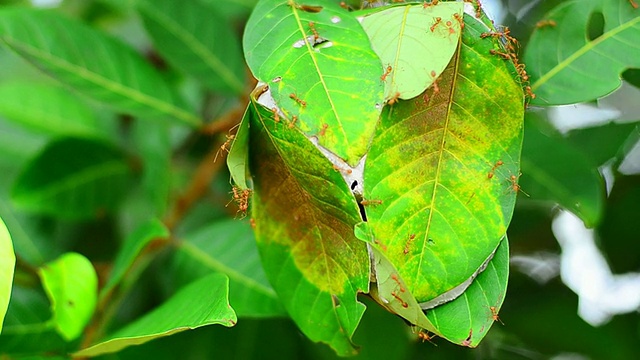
[91, 62]
[467, 319]
[203, 302]
[71, 284]
[416, 42]
[73, 178]
[304, 214]
[567, 67]
[7, 263]
[229, 247]
[197, 40]
[133, 245]
[571, 179]
[320, 68]
[437, 182]
[238, 158]
[46, 108]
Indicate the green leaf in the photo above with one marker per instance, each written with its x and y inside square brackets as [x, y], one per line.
[197, 40]
[304, 214]
[203, 302]
[229, 247]
[571, 179]
[94, 64]
[27, 326]
[437, 205]
[71, 284]
[566, 67]
[602, 143]
[46, 108]
[73, 178]
[153, 143]
[330, 82]
[133, 246]
[7, 264]
[467, 319]
[402, 34]
[390, 291]
[238, 158]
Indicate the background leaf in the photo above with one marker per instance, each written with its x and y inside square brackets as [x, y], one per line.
[443, 206]
[92, 178]
[197, 40]
[91, 62]
[229, 247]
[203, 302]
[71, 284]
[47, 108]
[467, 319]
[402, 34]
[6, 270]
[568, 65]
[571, 179]
[330, 82]
[304, 214]
[132, 247]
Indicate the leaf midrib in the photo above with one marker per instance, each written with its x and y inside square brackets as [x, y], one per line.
[197, 47]
[104, 83]
[76, 179]
[582, 51]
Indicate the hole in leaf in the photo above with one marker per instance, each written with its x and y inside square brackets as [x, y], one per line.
[336, 301]
[430, 241]
[354, 184]
[310, 8]
[595, 26]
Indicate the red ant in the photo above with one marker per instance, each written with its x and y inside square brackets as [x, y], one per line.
[545, 23]
[226, 146]
[493, 169]
[460, 21]
[404, 304]
[633, 3]
[241, 197]
[394, 99]
[406, 246]
[424, 336]
[386, 73]
[395, 278]
[370, 202]
[298, 100]
[514, 184]
[312, 26]
[428, 4]
[438, 21]
[494, 314]
[323, 130]
[292, 123]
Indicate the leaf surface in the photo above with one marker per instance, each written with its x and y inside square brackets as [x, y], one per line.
[320, 68]
[203, 302]
[566, 67]
[73, 178]
[238, 157]
[304, 214]
[71, 283]
[439, 203]
[197, 40]
[571, 179]
[46, 108]
[229, 247]
[7, 264]
[92, 63]
[133, 245]
[417, 42]
[467, 319]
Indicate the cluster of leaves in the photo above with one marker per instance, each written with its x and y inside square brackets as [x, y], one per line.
[434, 213]
[118, 213]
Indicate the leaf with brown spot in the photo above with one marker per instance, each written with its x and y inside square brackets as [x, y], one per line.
[304, 214]
[441, 165]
